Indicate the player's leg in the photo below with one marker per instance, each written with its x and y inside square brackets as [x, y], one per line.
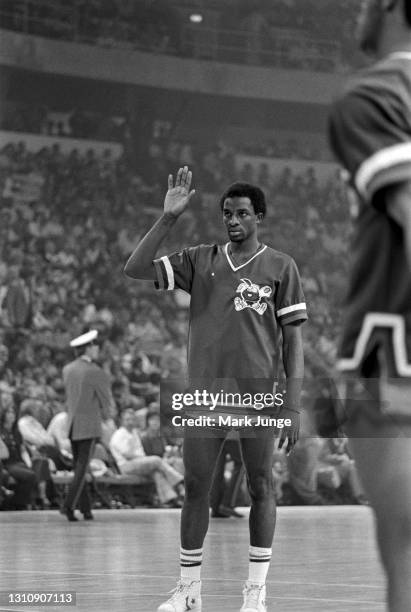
[231, 491]
[200, 456]
[258, 457]
[384, 465]
[218, 485]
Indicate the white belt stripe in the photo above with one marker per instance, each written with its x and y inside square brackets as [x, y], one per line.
[373, 320]
[288, 309]
[382, 160]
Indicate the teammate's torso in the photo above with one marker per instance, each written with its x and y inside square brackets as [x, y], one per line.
[375, 150]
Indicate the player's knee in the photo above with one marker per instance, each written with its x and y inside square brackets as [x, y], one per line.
[196, 485]
[261, 486]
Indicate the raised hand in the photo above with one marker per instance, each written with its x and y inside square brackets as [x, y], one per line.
[178, 196]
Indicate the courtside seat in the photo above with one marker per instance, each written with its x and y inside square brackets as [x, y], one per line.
[134, 489]
[64, 478]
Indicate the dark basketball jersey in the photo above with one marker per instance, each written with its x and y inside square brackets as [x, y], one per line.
[370, 133]
[236, 312]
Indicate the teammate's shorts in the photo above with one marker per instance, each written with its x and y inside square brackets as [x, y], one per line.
[381, 401]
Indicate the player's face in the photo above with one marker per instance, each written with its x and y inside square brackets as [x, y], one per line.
[240, 219]
[369, 25]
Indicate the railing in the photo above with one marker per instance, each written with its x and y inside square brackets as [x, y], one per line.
[276, 47]
[273, 47]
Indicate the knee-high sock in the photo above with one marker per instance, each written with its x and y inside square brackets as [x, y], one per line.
[259, 563]
[190, 564]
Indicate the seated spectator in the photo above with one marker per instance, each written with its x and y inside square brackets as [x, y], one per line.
[58, 431]
[37, 437]
[5, 479]
[336, 469]
[42, 450]
[223, 494]
[302, 468]
[25, 484]
[156, 444]
[124, 398]
[128, 451]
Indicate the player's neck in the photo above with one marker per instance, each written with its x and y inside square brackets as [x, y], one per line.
[246, 247]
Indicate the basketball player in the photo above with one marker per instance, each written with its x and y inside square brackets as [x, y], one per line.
[246, 300]
[370, 132]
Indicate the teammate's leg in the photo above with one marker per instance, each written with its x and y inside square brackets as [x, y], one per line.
[384, 467]
[258, 457]
[200, 456]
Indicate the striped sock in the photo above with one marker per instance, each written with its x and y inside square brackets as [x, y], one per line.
[259, 563]
[190, 564]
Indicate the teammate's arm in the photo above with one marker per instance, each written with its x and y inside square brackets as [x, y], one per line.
[140, 264]
[398, 206]
[293, 360]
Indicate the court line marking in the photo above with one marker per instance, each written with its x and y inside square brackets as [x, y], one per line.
[173, 577]
[225, 596]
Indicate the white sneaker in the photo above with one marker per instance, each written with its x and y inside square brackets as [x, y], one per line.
[254, 598]
[186, 597]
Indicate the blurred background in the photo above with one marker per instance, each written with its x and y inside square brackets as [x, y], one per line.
[100, 100]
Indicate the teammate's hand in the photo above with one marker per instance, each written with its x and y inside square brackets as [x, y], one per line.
[178, 197]
[289, 434]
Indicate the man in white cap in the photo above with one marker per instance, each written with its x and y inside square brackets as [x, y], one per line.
[89, 402]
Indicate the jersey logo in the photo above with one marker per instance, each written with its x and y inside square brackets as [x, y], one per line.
[251, 296]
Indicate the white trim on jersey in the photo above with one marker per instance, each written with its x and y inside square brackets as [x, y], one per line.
[372, 321]
[169, 271]
[400, 55]
[378, 162]
[288, 309]
[235, 268]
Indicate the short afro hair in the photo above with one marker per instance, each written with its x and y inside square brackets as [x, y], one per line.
[407, 11]
[246, 190]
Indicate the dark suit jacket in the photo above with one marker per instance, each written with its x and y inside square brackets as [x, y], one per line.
[89, 398]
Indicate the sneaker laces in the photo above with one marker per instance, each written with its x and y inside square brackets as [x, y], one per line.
[252, 593]
[179, 590]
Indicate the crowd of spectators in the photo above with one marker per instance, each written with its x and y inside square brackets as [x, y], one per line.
[153, 26]
[24, 117]
[312, 35]
[67, 225]
[286, 148]
[77, 123]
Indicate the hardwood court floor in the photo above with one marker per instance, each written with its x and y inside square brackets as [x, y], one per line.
[324, 560]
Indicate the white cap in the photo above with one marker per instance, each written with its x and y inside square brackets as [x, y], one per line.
[84, 339]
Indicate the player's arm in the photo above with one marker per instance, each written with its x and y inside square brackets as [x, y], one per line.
[293, 361]
[140, 264]
[398, 207]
